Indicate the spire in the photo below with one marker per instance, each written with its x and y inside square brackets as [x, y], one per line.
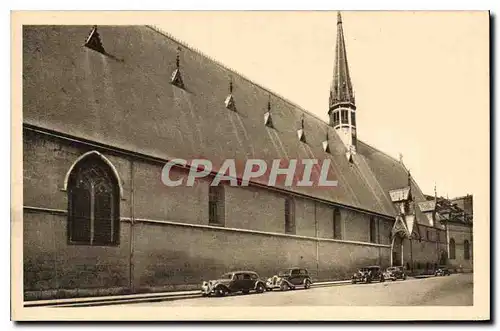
[341, 91]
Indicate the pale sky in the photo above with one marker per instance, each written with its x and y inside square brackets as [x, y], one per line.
[421, 79]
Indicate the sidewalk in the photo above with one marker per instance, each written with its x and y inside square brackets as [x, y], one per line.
[136, 298]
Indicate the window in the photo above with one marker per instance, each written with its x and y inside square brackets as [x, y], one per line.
[344, 116]
[336, 119]
[466, 250]
[303, 272]
[429, 235]
[337, 228]
[93, 203]
[289, 216]
[216, 205]
[247, 277]
[373, 230]
[353, 118]
[452, 249]
[295, 272]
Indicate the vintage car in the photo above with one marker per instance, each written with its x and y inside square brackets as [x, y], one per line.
[442, 270]
[368, 275]
[290, 279]
[395, 273]
[233, 282]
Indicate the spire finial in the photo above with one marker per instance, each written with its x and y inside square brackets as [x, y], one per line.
[177, 58]
[341, 90]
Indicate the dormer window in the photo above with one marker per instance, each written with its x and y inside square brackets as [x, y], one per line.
[94, 41]
[326, 144]
[176, 78]
[268, 121]
[300, 132]
[229, 102]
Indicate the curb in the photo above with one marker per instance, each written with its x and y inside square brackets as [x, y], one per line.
[137, 298]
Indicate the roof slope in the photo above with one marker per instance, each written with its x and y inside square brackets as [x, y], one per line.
[125, 99]
[392, 175]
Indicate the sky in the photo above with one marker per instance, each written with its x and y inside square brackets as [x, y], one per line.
[421, 79]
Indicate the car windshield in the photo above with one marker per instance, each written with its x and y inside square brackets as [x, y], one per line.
[227, 276]
[284, 272]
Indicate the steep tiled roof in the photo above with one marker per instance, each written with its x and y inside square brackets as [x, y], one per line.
[124, 98]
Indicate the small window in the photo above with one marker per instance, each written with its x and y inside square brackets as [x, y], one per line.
[303, 272]
[295, 272]
[336, 119]
[429, 235]
[240, 277]
[344, 116]
[373, 230]
[452, 249]
[247, 277]
[289, 216]
[337, 224]
[216, 205]
[466, 250]
[254, 276]
[353, 118]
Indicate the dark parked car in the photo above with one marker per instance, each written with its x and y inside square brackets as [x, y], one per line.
[290, 279]
[442, 271]
[395, 273]
[368, 275]
[232, 282]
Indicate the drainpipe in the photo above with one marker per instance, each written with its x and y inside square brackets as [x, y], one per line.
[411, 253]
[317, 241]
[131, 238]
[392, 250]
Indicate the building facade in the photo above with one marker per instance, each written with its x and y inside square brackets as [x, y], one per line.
[102, 117]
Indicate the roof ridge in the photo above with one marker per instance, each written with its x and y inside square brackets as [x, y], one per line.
[197, 50]
[382, 152]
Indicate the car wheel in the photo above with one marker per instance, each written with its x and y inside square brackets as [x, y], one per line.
[284, 286]
[245, 291]
[382, 279]
[221, 291]
[354, 282]
[307, 284]
[260, 288]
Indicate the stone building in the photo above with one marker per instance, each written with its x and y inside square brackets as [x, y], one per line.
[104, 108]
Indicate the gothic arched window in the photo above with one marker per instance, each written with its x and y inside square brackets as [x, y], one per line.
[93, 203]
[452, 249]
[466, 250]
